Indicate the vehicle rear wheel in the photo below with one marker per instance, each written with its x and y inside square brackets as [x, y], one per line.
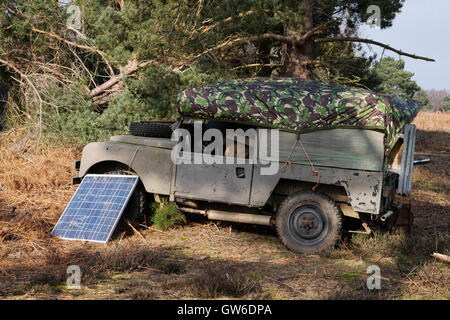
[308, 222]
[151, 129]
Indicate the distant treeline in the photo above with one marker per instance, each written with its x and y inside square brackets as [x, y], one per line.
[436, 97]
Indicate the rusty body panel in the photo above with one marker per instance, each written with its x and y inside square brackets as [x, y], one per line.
[225, 183]
[363, 188]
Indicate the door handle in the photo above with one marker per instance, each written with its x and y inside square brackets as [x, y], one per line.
[240, 172]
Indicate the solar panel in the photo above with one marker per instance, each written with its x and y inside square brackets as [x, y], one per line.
[95, 208]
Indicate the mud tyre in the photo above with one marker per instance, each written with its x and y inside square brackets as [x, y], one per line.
[309, 222]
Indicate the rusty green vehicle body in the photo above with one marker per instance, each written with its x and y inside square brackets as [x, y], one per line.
[345, 150]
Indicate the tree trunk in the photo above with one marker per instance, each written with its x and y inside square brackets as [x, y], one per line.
[296, 60]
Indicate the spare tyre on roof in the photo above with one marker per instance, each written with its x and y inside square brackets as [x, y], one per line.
[299, 105]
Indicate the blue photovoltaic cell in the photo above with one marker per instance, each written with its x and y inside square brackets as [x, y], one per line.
[95, 208]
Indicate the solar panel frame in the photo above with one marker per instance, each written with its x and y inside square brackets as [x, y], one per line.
[117, 219]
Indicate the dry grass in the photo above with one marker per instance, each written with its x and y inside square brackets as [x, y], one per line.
[430, 281]
[361, 293]
[34, 186]
[218, 280]
[434, 130]
[434, 122]
[433, 140]
[142, 294]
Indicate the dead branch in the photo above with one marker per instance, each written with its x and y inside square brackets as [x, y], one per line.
[353, 39]
[76, 45]
[441, 257]
[256, 65]
[91, 77]
[280, 282]
[135, 231]
[154, 229]
[47, 67]
[58, 75]
[23, 75]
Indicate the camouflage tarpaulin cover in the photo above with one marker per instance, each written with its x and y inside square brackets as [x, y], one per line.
[298, 105]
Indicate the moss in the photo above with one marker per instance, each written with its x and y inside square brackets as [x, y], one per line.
[255, 276]
[349, 275]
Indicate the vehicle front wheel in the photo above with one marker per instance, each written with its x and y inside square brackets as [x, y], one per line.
[139, 204]
[309, 222]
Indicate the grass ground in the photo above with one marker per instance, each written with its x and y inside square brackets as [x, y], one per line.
[204, 259]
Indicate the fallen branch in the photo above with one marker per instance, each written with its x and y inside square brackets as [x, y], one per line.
[129, 69]
[441, 257]
[135, 231]
[353, 39]
[280, 282]
[154, 229]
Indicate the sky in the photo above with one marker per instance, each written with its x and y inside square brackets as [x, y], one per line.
[422, 28]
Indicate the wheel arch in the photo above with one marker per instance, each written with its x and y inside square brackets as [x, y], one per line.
[338, 193]
[108, 165]
[152, 165]
[290, 186]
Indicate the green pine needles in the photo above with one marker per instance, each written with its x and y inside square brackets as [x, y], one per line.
[166, 215]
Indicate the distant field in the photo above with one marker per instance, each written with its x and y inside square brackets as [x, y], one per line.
[190, 262]
[434, 132]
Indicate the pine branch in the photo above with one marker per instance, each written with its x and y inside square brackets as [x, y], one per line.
[241, 15]
[292, 40]
[353, 39]
[299, 41]
[236, 42]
